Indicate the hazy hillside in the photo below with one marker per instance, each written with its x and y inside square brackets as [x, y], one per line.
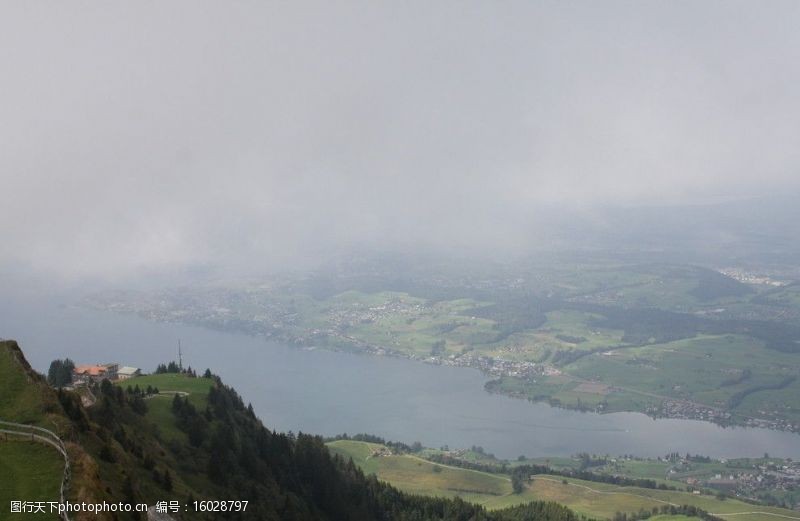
[197, 440]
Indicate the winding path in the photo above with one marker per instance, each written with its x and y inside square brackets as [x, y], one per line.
[431, 462]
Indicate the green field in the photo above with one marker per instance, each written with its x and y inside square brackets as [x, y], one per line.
[708, 370]
[414, 325]
[702, 369]
[159, 407]
[594, 499]
[197, 388]
[29, 471]
[603, 500]
[408, 324]
[416, 475]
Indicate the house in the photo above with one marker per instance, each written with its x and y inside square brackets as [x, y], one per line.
[128, 372]
[84, 374]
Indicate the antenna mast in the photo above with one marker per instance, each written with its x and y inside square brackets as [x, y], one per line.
[180, 356]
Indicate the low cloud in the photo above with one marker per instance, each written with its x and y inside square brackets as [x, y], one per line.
[257, 134]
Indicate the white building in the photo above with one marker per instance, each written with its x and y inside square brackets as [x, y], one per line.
[123, 373]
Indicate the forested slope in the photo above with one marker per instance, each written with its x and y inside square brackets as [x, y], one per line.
[130, 446]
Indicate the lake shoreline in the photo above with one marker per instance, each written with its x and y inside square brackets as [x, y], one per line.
[491, 368]
[322, 392]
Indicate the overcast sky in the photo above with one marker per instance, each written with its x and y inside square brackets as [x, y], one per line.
[156, 135]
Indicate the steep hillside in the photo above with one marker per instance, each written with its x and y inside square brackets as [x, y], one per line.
[194, 439]
[26, 397]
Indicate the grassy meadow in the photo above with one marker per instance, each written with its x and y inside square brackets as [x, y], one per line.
[159, 407]
[29, 471]
[418, 476]
[412, 473]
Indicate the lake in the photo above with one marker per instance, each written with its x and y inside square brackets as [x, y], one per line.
[329, 393]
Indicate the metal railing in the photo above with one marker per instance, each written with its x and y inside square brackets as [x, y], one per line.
[42, 435]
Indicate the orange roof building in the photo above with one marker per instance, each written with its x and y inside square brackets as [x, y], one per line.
[91, 370]
[95, 372]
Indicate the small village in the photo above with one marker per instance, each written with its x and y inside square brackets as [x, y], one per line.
[689, 410]
[776, 481]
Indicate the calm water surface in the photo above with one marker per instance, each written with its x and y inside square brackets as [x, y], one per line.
[330, 393]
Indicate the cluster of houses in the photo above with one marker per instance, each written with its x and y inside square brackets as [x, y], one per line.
[689, 410]
[86, 374]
